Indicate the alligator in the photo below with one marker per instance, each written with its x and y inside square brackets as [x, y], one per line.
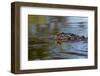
[65, 37]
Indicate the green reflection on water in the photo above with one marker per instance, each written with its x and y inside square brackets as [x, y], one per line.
[38, 49]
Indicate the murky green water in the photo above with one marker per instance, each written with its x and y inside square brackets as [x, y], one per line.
[42, 46]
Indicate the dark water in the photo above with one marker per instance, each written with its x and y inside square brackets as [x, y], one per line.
[67, 50]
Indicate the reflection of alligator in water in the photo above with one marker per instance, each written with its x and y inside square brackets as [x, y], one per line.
[63, 37]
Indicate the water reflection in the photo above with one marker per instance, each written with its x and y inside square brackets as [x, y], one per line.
[41, 34]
